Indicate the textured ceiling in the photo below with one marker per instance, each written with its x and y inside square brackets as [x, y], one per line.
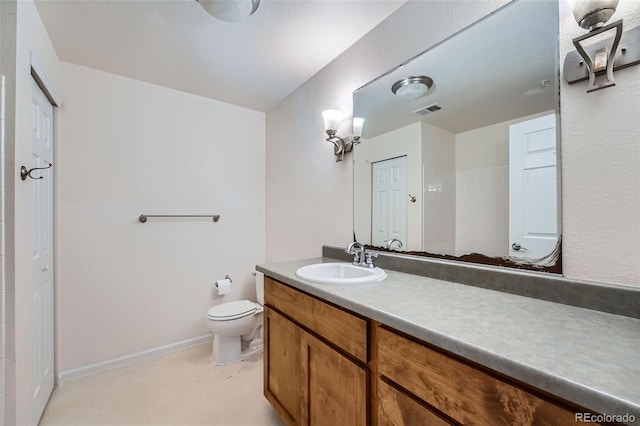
[174, 43]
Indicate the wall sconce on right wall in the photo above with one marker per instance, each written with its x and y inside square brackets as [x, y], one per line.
[600, 58]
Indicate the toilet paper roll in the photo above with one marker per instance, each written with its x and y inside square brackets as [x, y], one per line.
[224, 286]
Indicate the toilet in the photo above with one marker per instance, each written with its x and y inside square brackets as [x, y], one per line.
[237, 327]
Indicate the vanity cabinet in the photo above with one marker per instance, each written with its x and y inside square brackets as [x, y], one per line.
[315, 370]
[324, 365]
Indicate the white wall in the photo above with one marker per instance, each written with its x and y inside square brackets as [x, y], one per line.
[601, 169]
[404, 141]
[125, 148]
[600, 153]
[439, 190]
[482, 195]
[309, 196]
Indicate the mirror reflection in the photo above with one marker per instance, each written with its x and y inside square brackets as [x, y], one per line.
[459, 153]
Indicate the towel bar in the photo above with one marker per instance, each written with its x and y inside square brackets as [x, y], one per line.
[143, 217]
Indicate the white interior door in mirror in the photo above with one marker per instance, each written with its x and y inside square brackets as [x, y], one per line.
[533, 196]
[389, 201]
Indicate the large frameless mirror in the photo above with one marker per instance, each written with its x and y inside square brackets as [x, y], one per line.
[459, 157]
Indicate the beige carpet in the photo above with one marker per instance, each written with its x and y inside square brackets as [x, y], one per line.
[182, 388]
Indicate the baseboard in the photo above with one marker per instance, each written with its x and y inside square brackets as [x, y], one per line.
[65, 376]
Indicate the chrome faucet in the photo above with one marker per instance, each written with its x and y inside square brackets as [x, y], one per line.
[357, 250]
[361, 257]
[394, 240]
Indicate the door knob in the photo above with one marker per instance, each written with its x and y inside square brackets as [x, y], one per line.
[518, 247]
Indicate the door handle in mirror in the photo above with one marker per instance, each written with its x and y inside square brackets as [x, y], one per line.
[518, 247]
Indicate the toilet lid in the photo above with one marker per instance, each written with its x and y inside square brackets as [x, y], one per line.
[232, 310]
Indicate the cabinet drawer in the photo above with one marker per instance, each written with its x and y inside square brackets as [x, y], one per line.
[339, 327]
[461, 391]
[398, 409]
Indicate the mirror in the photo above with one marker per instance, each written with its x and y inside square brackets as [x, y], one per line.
[472, 166]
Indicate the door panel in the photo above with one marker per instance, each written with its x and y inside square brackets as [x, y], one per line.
[41, 225]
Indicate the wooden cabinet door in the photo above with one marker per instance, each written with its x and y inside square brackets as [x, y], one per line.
[335, 387]
[282, 367]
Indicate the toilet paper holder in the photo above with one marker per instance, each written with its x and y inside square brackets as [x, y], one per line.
[226, 277]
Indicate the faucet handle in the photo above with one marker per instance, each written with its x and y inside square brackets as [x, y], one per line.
[368, 259]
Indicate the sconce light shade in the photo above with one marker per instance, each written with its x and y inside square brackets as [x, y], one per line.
[412, 88]
[230, 10]
[591, 14]
[358, 123]
[332, 119]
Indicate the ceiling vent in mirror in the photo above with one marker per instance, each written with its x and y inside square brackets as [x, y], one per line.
[427, 109]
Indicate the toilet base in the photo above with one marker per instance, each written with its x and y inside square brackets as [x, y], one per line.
[227, 350]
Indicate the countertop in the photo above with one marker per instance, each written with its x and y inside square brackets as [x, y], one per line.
[587, 357]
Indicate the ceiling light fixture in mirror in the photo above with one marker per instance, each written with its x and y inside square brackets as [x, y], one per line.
[412, 88]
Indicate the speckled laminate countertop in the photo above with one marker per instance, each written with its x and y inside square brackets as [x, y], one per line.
[588, 357]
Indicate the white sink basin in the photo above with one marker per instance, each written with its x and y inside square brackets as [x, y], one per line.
[340, 273]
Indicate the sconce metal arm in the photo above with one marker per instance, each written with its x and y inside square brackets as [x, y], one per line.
[575, 69]
[594, 67]
[340, 145]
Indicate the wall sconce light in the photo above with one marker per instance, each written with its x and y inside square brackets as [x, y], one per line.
[332, 119]
[412, 88]
[230, 10]
[600, 58]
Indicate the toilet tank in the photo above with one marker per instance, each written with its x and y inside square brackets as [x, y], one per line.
[260, 287]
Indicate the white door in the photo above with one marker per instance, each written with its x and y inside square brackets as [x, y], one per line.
[533, 188]
[42, 252]
[389, 201]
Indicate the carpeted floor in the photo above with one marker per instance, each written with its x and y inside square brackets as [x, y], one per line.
[182, 388]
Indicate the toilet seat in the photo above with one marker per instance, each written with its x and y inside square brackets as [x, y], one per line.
[232, 310]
